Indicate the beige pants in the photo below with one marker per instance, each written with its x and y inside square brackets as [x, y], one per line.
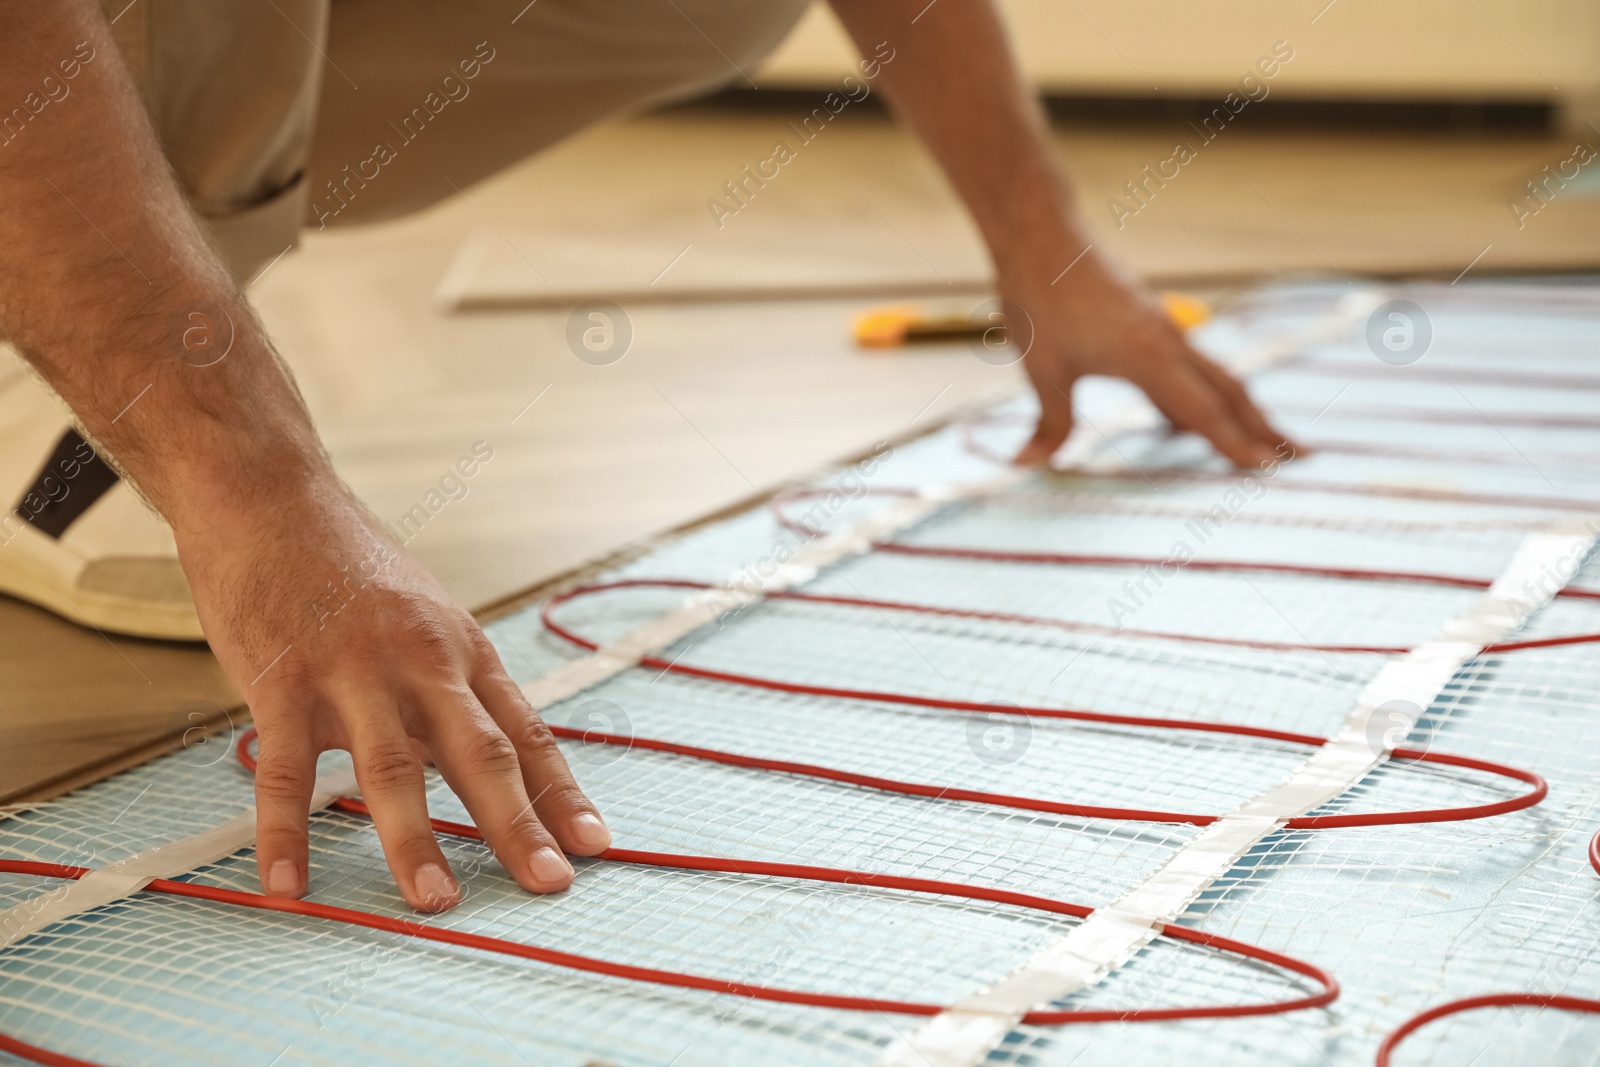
[282, 113]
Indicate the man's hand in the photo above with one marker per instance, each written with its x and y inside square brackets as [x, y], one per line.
[334, 638]
[949, 73]
[339, 641]
[1095, 320]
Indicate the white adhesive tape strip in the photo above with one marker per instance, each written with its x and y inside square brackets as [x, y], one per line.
[126, 877]
[965, 1034]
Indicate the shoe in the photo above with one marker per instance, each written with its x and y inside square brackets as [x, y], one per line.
[76, 539]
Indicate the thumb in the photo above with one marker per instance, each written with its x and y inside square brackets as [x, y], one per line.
[1055, 423]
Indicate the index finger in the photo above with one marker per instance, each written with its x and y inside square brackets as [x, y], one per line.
[562, 806]
[483, 767]
[1243, 405]
[1187, 397]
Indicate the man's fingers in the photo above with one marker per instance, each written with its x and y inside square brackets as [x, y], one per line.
[484, 768]
[391, 782]
[1187, 397]
[1055, 424]
[286, 774]
[1243, 406]
[562, 805]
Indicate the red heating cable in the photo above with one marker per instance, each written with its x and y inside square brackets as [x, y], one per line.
[1492, 1000]
[1390, 450]
[796, 871]
[655, 976]
[1123, 632]
[1469, 375]
[929, 886]
[1166, 476]
[1219, 566]
[1304, 822]
[1399, 451]
[1328, 993]
[1079, 502]
[1396, 414]
[1397, 492]
[1090, 811]
[1083, 559]
[1089, 559]
[1555, 421]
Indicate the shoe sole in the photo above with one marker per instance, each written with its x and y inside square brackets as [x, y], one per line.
[23, 578]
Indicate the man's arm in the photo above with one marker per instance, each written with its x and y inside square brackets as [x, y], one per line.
[954, 81]
[102, 268]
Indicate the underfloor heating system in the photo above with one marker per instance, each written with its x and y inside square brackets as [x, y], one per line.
[933, 762]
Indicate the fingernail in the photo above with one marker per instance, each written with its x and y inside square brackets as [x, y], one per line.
[283, 879]
[589, 831]
[436, 888]
[549, 867]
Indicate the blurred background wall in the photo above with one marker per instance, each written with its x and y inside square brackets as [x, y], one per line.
[1542, 52]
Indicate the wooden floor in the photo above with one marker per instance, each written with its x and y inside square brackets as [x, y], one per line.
[716, 402]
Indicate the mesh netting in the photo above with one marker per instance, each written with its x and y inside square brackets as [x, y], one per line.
[1406, 916]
